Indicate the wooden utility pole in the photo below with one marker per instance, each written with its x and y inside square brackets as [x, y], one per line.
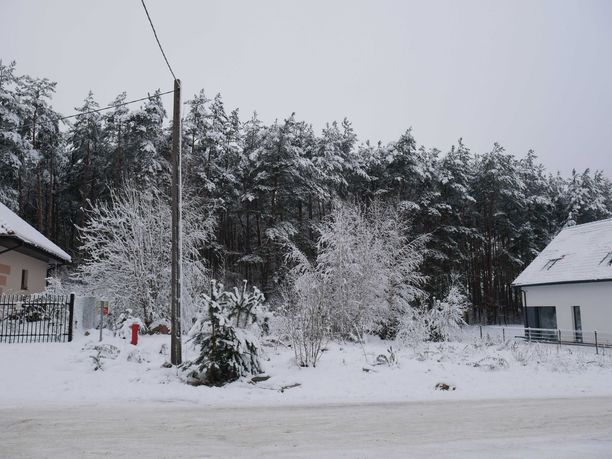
[176, 354]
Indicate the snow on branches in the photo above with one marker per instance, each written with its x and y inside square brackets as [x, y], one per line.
[227, 332]
[126, 245]
[364, 276]
[446, 316]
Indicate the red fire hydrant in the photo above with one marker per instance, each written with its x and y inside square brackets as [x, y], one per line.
[135, 328]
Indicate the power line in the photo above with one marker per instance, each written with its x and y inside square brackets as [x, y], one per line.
[29, 125]
[157, 39]
[115, 106]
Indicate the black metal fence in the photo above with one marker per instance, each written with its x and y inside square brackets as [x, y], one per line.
[598, 339]
[36, 318]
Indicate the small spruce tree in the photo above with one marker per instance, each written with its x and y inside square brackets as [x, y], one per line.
[228, 349]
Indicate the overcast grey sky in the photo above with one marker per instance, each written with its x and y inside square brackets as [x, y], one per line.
[527, 74]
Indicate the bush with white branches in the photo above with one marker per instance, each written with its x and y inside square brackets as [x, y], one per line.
[371, 266]
[306, 311]
[446, 316]
[365, 274]
[127, 253]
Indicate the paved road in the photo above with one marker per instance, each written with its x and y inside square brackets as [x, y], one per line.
[557, 428]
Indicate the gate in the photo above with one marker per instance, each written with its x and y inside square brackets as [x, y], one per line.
[36, 318]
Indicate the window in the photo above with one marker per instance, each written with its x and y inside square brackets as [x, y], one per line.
[544, 320]
[24, 279]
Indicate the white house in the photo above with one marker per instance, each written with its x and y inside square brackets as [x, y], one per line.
[569, 284]
[25, 255]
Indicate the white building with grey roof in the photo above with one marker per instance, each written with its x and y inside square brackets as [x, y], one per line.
[568, 286]
[25, 255]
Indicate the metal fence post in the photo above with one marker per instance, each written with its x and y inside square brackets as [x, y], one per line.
[596, 347]
[480, 331]
[504, 334]
[70, 316]
[99, 303]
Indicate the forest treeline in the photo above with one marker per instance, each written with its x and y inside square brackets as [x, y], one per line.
[487, 213]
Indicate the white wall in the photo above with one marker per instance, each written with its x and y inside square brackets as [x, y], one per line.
[14, 262]
[594, 299]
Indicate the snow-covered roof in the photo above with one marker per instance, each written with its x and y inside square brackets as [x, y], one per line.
[577, 254]
[12, 225]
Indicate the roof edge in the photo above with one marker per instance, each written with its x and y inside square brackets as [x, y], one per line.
[582, 225]
[583, 281]
[23, 244]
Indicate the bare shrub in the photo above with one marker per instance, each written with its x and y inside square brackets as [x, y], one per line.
[306, 313]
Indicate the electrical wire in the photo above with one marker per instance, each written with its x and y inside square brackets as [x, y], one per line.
[157, 39]
[115, 106]
[30, 124]
[135, 100]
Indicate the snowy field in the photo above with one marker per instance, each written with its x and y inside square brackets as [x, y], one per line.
[510, 400]
[35, 374]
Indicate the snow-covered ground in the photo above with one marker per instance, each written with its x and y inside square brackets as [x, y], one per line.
[35, 374]
[510, 400]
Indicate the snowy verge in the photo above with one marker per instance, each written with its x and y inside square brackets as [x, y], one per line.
[49, 373]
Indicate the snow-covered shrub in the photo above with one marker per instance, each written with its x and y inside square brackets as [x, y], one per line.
[102, 351]
[107, 351]
[371, 266]
[440, 323]
[246, 307]
[306, 314]
[413, 327]
[127, 253]
[446, 316]
[125, 320]
[58, 283]
[98, 363]
[520, 353]
[228, 340]
[492, 363]
[137, 355]
[365, 271]
[389, 359]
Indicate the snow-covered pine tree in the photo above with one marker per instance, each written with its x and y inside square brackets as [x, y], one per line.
[285, 177]
[17, 155]
[245, 307]
[536, 225]
[197, 124]
[41, 128]
[500, 198]
[116, 136]
[86, 149]
[588, 196]
[10, 140]
[455, 233]
[149, 145]
[228, 350]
